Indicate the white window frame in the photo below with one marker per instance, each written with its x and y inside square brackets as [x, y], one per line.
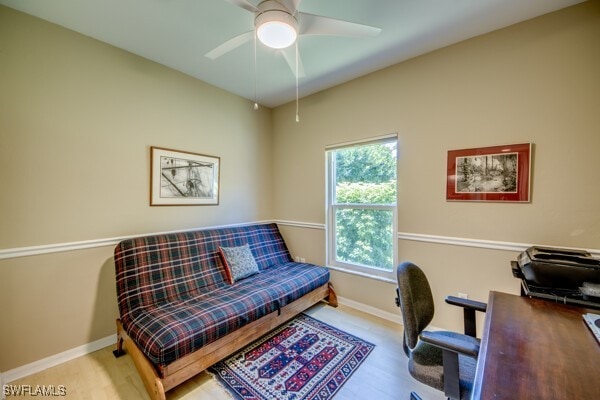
[331, 209]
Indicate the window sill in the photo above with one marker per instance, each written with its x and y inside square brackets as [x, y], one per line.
[363, 274]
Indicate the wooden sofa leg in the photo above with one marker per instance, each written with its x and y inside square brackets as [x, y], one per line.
[150, 378]
[332, 298]
[119, 351]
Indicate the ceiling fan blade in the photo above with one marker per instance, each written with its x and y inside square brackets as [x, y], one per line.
[245, 4]
[317, 25]
[291, 5]
[289, 53]
[230, 45]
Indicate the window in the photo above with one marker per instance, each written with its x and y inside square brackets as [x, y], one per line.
[361, 206]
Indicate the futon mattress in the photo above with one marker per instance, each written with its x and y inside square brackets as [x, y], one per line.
[168, 331]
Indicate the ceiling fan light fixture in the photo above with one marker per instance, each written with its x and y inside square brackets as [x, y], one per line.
[276, 29]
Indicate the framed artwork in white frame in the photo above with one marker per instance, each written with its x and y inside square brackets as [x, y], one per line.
[182, 178]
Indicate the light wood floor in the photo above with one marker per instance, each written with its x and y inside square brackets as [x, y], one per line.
[382, 376]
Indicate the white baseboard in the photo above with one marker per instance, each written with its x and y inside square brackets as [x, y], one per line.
[397, 318]
[2, 395]
[379, 313]
[45, 363]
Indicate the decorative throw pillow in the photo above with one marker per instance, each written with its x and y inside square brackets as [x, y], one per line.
[238, 261]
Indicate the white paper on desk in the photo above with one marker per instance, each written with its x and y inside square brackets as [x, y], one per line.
[593, 322]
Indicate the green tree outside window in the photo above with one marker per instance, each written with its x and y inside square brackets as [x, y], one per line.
[365, 178]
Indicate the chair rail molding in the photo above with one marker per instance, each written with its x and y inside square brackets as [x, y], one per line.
[480, 243]
[90, 244]
[419, 237]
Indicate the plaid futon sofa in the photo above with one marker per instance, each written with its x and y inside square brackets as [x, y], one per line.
[174, 298]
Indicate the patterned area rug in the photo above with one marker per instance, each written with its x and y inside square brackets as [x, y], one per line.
[303, 359]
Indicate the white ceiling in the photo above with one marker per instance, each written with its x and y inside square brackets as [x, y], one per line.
[177, 33]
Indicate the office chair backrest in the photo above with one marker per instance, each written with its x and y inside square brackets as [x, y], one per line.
[416, 301]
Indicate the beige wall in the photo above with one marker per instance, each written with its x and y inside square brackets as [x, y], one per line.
[77, 119]
[537, 82]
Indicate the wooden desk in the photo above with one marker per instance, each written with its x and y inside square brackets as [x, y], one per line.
[536, 349]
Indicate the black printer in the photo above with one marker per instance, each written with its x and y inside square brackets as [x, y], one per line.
[563, 275]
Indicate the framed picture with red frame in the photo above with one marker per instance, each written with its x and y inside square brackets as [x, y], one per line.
[497, 173]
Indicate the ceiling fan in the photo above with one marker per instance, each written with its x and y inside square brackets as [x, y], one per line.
[278, 23]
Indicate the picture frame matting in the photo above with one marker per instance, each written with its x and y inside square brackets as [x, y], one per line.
[182, 178]
[496, 173]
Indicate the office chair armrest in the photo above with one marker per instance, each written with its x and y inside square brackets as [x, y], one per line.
[469, 307]
[452, 347]
[455, 345]
[466, 303]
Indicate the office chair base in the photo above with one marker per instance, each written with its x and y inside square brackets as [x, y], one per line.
[414, 396]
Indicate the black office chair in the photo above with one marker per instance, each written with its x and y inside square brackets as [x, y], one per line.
[440, 359]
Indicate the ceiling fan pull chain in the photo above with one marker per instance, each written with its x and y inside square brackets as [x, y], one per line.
[255, 73]
[297, 73]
